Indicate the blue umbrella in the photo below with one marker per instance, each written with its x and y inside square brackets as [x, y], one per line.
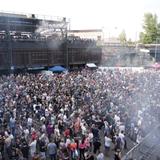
[57, 69]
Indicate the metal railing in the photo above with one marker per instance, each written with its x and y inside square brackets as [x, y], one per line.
[30, 15]
[145, 149]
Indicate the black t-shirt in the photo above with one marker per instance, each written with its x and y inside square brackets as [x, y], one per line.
[95, 132]
[1, 144]
[42, 146]
[25, 150]
[90, 157]
[118, 143]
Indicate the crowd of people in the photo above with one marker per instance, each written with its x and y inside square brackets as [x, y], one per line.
[78, 115]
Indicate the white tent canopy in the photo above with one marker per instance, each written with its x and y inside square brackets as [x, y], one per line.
[144, 50]
[91, 65]
[47, 72]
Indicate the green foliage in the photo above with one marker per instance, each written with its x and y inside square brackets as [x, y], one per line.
[151, 29]
[129, 41]
[158, 31]
[122, 37]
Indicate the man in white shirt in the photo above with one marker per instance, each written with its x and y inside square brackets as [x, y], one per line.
[107, 143]
[33, 148]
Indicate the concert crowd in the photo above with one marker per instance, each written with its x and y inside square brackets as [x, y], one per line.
[80, 115]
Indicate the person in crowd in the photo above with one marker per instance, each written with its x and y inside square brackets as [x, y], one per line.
[107, 143]
[33, 148]
[89, 156]
[25, 149]
[122, 137]
[42, 148]
[100, 156]
[52, 150]
[82, 147]
[118, 143]
[117, 155]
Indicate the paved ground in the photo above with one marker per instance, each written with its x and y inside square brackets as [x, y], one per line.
[110, 155]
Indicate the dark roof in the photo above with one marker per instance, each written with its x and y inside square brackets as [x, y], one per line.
[85, 30]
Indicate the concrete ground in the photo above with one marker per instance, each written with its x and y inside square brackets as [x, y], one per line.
[110, 155]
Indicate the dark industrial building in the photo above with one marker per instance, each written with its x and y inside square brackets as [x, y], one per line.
[27, 41]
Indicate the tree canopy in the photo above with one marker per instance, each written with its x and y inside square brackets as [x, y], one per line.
[122, 37]
[151, 29]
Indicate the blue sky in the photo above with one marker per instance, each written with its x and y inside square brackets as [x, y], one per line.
[111, 15]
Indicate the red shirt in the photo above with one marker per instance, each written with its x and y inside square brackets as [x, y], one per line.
[67, 133]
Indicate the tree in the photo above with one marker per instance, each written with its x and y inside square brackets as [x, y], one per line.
[122, 37]
[150, 27]
[130, 41]
[158, 31]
